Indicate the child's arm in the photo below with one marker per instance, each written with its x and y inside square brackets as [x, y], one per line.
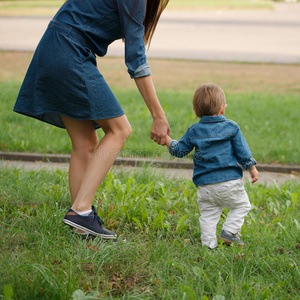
[168, 141]
[244, 155]
[179, 148]
[254, 174]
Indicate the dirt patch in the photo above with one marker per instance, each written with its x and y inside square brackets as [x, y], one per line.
[184, 75]
[181, 75]
[14, 65]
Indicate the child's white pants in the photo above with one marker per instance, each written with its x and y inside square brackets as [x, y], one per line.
[212, 198]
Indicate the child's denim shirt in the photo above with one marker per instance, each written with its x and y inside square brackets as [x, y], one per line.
[219, 149]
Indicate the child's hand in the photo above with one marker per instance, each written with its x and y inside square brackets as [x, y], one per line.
[254, 174]
[168, 141]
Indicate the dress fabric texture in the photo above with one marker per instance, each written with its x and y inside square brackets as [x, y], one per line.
[220, 150]
[63, 77]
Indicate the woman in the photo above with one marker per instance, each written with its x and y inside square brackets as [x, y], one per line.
[64, 87]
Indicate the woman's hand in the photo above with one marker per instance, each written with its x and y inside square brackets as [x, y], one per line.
[160, 130]
[160, 127]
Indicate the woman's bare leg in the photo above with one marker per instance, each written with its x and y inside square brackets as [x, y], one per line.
[84, 142]
[116, 130]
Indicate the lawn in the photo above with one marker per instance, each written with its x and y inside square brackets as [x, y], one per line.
[262, 98]
[162, 258]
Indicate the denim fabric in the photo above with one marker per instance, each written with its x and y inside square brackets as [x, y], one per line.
[63, 77]
[212, 199]
[220, 149]
[104, 21]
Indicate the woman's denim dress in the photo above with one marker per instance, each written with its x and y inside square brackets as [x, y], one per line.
[63, 77]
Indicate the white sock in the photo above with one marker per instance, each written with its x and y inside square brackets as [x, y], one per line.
[84, 213]
[82, 233]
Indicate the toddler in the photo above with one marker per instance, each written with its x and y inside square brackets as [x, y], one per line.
[220, 151]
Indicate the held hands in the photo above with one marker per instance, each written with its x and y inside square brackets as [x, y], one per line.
[160, 130]
[254, 174]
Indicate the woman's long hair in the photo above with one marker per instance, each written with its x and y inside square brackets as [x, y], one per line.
[154, 9]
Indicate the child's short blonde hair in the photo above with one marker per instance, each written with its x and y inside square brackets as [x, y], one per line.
[208, 100]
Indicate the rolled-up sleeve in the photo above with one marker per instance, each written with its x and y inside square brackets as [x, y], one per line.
[143, 70]
[182, 147]
[248, 164]
[132, 15]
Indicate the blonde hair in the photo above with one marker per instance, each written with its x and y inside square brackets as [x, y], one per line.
[208, 100]
[154, 9]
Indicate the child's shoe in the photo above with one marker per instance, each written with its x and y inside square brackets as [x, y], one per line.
[230, 238]
[91, 224]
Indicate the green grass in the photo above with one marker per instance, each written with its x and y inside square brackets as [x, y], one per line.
[269, 122]
[162, 258]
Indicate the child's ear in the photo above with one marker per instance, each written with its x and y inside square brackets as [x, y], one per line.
[222, 112]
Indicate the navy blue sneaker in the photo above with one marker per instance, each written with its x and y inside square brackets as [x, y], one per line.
[230, 238]
[92, 224]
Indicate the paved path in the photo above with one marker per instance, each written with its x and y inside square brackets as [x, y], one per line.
[250, 36]
[265, 177]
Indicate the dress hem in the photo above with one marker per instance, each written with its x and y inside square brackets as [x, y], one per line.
[38, 116]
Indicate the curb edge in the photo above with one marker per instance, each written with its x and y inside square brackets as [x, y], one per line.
[135, 162]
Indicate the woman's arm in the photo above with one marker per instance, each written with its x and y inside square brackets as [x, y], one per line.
[160, 127]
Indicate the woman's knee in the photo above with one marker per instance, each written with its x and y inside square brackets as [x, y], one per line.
[119, 127]
[122, 133]
[126, 130]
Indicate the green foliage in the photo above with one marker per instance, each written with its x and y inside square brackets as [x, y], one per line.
[162, 259]
[269, 123]
[147, 207]
[8, 292]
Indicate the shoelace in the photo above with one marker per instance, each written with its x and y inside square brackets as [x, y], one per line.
[96, 217]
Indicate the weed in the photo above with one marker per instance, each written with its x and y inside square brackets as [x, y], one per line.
[162, 258]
